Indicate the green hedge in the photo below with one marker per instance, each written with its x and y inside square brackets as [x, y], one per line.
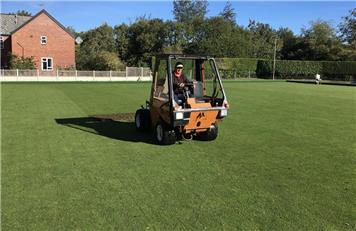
[339, 67]
[262, 68]
[241, 65]
[285, 68]
[292, 68]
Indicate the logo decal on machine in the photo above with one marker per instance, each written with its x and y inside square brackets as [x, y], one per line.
[201, 115]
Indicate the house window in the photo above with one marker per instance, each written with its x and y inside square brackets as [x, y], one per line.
[1, 43]
[47, 64]
[43, 39]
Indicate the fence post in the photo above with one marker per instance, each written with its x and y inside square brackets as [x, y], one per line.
[249, 76]
[141, 73]
[93, 75]
[17, 72]
[38, 74]
[76, 75]
[57, 74]
[110, 74]
[126, 73]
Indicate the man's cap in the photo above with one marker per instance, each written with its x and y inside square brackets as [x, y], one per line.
[179, 65]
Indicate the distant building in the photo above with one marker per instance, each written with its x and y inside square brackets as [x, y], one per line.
[40, 36]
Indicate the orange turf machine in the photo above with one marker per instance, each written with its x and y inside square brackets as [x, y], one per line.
[197, 114]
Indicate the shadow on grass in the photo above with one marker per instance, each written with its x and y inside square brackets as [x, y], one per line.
[108, 127]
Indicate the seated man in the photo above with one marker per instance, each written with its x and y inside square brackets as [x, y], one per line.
[179, 82]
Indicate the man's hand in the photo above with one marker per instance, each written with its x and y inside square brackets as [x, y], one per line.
[181, 85]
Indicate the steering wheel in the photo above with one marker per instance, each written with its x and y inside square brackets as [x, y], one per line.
[188, 86]
[188, 89]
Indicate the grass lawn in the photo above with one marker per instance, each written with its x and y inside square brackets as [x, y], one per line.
[284, 160]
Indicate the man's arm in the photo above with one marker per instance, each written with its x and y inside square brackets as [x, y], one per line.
[175, 83]
[185, 80]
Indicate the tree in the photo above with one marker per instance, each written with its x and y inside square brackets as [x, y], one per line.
[100, 38]
[189, 16]
[122, 41]
[347, 31]
[186, 10]
[137, 42]
[288, 41]
[221, 38]
[262, 37]
[228, 13]
[174, 39]
[94, 41]
[348, 28]
[72, 31]
[320, 42]
[22, 13]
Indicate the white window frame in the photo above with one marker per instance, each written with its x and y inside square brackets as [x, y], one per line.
[1, 42]
[45, 59]
[43, 39]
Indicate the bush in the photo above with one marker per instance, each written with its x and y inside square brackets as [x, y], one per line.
[21, 62]
[106, 61]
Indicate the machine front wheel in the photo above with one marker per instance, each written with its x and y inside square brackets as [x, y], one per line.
[208, 135]
[163, 135]
[142, 119]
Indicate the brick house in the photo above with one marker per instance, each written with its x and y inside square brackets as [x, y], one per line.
[41, 37]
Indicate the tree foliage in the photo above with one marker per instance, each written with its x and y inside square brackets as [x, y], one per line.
[97, 44]
[320, 41]
[185, 11]
[192, 32]
[228, 13]
[72, 31]
[141, 39]
[221, 38]
[22, 13]
[348, 27]
[263, 39]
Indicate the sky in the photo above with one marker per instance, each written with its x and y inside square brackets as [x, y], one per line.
[85, 15]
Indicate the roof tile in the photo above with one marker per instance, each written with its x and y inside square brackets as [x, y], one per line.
[10, 22]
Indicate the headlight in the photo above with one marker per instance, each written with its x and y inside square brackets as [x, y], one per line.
[223, 113]
[179, 115]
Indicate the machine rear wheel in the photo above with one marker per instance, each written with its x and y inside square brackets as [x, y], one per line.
[163, 135]
[209, 135]
[142, 119]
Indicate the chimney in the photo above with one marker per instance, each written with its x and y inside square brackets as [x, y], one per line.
[15, 18]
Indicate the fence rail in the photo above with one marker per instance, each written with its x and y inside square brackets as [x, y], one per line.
[130, 74]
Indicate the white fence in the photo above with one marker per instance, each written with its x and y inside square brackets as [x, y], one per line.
[130, 74]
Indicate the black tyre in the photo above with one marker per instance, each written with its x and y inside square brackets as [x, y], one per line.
[208, 135]
[164, 136]
[142, 120]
